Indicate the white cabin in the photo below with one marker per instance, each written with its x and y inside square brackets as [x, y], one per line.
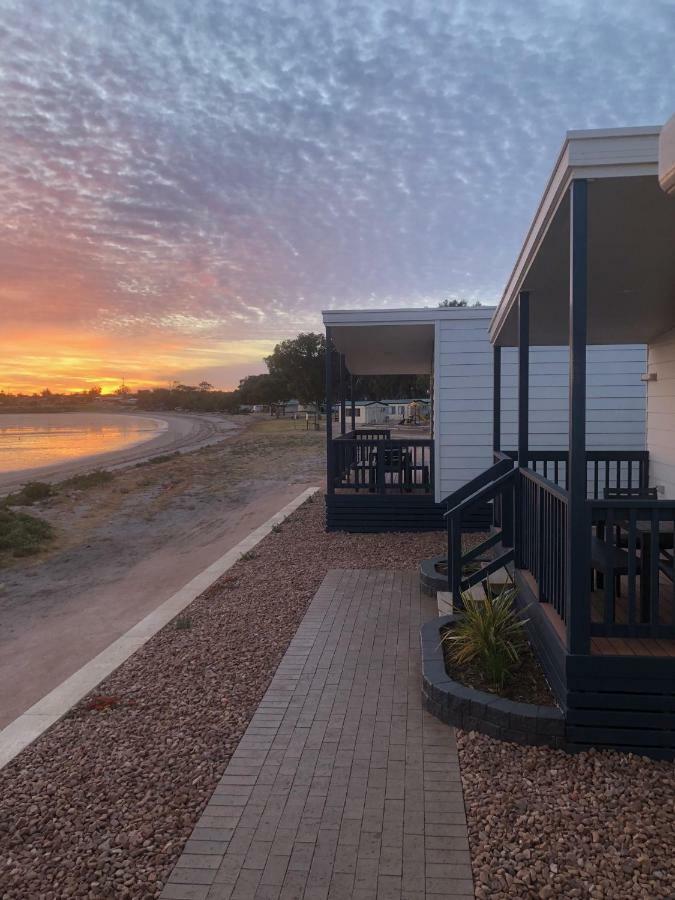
[453, 347]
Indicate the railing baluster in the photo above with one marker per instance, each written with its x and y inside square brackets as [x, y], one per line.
[610, 588]
[654, 570]
[632, 556]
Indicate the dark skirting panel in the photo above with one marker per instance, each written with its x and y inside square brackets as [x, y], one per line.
[395, 512]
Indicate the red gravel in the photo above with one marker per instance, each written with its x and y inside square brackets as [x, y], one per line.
[101, 805]
[544, 824]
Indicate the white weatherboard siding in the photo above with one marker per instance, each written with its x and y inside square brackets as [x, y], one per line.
[463, 392]
[661, 414]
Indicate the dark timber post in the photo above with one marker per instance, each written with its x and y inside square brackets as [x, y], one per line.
[523, 406]
[578, 533]
[330, 467]
[343, 387]
[497, 399]
[352, 401]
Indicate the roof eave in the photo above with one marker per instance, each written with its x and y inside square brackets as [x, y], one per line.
[568, 167]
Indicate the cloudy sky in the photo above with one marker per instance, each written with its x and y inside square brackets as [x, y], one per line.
[183, 184]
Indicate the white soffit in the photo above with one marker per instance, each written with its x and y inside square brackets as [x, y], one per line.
[393, 341]
[631, 245]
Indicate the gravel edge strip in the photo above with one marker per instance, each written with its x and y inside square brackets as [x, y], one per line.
[27, 727]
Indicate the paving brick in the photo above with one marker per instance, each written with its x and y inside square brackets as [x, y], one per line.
[343, 787]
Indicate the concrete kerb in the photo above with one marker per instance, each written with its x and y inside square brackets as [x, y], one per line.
[54, 705]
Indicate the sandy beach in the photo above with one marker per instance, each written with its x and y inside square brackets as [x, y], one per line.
[175, 432]
[123, 548]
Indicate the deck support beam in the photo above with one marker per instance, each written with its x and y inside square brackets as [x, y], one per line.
[578, 531]
[497, 399]
[352, 402]
[330, 468]
[523, 406]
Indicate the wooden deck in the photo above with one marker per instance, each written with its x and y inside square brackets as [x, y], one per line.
[605, 646]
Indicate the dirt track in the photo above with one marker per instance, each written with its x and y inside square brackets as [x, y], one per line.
[125, 547]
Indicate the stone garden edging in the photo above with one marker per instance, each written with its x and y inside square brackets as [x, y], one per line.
[473, 710]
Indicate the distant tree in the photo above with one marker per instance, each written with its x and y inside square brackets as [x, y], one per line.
[299, 363]
[45, 392]
[122, 391]
[205, 386]
[94, 391]
[265, 389]
[451, 303]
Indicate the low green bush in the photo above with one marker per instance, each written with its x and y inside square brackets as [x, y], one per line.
[31, 492]
[89, 480]
[21, 534]
[489, 633]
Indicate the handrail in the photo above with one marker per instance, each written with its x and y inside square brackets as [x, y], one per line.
[496, 483]
[546, 484]
[591, 455]
[631, 503]
[484, 493]
[487, 477]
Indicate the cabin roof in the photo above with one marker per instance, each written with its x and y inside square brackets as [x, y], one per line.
[631, 236]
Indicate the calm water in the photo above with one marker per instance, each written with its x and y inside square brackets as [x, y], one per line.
[31, 440]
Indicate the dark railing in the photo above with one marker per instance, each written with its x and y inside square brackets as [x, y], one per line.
[542, 537]
[383, 465]
[605, 468]
[365, 434]
[495, 484]
[632, 559]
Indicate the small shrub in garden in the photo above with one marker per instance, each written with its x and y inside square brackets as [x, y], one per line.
[249, 554]
[489, 634]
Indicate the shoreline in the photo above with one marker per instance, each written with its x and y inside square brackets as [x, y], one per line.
[182, 433]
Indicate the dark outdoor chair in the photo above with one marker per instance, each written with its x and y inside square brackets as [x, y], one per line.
[604, 557]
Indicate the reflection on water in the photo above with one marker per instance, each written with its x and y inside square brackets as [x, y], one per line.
[32, 440]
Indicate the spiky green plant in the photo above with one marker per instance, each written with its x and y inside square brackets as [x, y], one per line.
[488, 633]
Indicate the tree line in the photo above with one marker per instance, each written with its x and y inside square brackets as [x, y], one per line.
[295, 371]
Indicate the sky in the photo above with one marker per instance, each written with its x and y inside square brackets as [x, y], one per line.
[184, 184]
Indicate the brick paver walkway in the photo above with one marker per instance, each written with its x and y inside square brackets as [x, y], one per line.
[342, 786]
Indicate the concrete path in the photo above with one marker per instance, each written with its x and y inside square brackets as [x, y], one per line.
[342, 786]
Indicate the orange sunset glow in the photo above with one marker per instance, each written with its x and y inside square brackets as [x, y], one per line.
[85, 360]
[183, 186]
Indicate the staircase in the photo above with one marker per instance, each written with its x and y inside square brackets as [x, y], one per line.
[495, 485]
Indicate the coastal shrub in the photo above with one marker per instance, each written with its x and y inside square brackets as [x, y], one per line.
[489, 634]
[21, 534]
[155, 460]
[31, 492]
[88, 480]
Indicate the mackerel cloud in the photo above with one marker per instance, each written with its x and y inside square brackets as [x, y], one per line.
[228, 169]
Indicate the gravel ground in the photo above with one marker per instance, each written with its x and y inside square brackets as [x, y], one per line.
[102, 804]
[544, 824]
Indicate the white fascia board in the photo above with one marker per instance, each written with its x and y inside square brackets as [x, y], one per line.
[598, 153]
[403, 316]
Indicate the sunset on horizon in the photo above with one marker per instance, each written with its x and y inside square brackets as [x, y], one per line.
[183, 187]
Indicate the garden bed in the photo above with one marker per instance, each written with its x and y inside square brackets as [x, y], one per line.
[539, 724]
[526, 684]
